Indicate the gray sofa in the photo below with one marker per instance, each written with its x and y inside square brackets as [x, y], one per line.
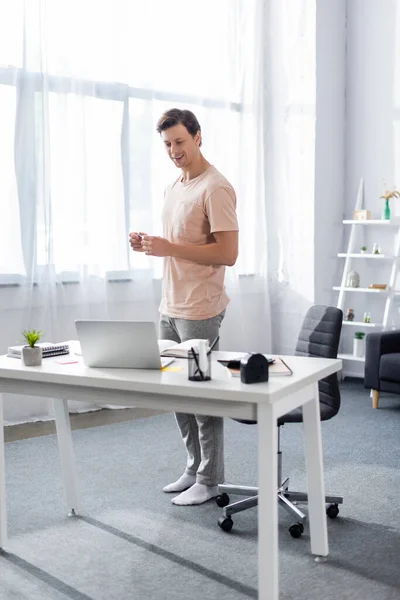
[382, 364]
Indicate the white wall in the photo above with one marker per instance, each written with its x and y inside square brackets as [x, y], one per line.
[372, 129]
[370, 110]
[330, 145]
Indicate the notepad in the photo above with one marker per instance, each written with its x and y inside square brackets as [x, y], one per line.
[170, 348]
[48, 349]
[276, 366]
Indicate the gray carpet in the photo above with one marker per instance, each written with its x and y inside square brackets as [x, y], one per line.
[130, 542]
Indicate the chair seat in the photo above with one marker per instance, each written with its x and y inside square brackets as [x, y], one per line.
[296, 415]
[389, 368]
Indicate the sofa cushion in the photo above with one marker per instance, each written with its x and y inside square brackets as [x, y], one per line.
[389, 368]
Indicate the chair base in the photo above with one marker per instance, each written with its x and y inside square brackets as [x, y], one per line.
[286, 498]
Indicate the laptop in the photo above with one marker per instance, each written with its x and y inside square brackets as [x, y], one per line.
[120, 344]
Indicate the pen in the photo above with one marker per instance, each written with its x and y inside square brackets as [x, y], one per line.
[213, 344]
[197, 364]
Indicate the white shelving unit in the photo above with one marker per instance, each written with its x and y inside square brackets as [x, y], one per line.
[352, 255]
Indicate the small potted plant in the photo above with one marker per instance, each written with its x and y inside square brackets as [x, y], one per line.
[363, 249]
[387, 195]
[359, 344]
[31, 354]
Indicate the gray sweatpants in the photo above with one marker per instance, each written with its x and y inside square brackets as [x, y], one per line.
[203, 436]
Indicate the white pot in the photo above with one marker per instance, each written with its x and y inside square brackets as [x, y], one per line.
[32, 357]
[358, 347]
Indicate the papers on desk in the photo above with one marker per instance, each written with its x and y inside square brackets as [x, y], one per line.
[48, 349]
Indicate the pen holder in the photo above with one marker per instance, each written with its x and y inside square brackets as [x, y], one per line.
[194, 372]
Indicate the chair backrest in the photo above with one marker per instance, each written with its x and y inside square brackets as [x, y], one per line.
[319, 336]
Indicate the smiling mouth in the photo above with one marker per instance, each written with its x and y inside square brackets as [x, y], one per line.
[178, 157]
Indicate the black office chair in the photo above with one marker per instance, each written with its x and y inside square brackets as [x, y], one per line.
[319, 336]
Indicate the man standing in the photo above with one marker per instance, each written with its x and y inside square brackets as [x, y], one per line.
[200, 232]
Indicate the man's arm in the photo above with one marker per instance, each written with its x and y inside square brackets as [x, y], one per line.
[223, 251]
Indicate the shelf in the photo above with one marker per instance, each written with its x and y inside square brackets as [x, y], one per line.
[367, 290]
[374, 256]
[393, 221]
[361, 324]
[351, 357]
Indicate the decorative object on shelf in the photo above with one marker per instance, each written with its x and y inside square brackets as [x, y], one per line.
[363, 249]
[359, 344]
[376, 249]
[353, 279]
[387, 196]
[377, 286]
[350, 314]
[367, 317]
[31, 354]
[361, 215]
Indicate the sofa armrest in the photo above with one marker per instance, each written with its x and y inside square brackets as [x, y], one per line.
[383, 342]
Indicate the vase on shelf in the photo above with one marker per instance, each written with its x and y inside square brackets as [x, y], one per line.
[358, 348]
[359, 344]
[386, 211]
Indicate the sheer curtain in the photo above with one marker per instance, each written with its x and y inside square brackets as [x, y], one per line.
[290, 115]
[82, 85]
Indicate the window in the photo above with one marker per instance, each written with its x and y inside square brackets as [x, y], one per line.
[82, 84]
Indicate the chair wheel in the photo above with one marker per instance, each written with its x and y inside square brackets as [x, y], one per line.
[296, 530]
[332, 511]
[222, 500]
[225, 523]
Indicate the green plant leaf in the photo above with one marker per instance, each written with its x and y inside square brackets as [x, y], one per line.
[31, 336]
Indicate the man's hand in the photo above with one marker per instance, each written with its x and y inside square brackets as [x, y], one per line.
[135, 241]
[156, 246]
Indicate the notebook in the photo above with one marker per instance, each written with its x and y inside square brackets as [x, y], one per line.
[276, 366]
[170, 348]
[48, 349]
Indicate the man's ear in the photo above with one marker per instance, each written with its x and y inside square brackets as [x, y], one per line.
[197, 138]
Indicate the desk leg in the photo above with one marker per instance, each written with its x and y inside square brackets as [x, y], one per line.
[66, 450]
[3, 509]
[315, 475]
[268, 588]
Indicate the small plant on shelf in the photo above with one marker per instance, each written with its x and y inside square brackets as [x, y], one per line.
[31, 336]
[386, 196]
[363, 249]
[359, 335]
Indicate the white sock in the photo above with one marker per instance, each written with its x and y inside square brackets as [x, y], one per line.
[197, 494]
[184, 482]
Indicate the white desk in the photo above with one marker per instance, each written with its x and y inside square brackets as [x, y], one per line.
[223, 396]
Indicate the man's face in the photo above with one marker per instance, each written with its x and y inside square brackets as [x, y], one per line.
[180, 145]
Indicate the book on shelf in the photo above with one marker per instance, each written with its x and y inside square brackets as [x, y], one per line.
[170, 348]
[48, 349]
[377, 286]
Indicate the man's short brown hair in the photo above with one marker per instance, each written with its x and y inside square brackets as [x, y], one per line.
[176, 116]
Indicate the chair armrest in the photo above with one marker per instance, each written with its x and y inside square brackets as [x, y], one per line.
[376, 344]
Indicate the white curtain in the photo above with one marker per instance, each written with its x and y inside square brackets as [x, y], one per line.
[82, 84]
[290, 115]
